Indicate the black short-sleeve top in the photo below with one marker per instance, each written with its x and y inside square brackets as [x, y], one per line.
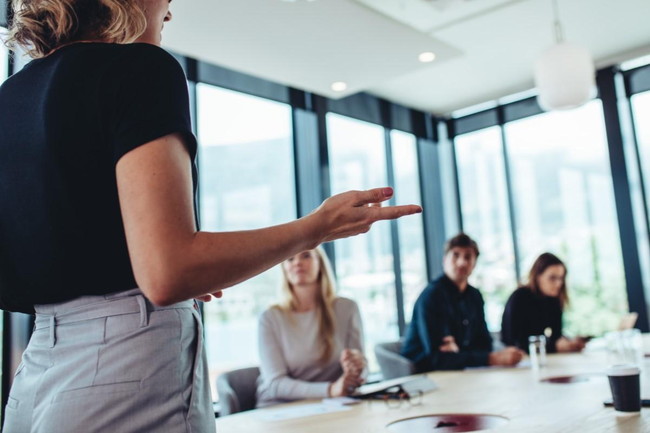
[65, 121]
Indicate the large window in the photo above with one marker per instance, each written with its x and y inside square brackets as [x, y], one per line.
[564, 203]
[364, 264]
[641, 112]
[484, 205]
[246, 181]
[411, 230]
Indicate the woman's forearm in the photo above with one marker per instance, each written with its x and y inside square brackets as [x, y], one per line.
[214, 261]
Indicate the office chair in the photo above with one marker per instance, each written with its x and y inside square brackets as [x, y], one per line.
[391, 363]
[237, 390]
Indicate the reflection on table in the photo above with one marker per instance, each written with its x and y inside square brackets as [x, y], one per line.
[519, 394]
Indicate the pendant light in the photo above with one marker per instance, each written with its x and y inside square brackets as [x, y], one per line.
[564, 73]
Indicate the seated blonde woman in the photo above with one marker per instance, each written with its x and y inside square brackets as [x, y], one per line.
[311, 344]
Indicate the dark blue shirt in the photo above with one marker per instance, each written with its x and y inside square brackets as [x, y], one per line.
[443, 310]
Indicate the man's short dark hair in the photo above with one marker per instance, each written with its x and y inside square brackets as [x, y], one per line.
[461, 240]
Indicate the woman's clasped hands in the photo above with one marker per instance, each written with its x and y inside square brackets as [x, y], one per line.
[354, 365]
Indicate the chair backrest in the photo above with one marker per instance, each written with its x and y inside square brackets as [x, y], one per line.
[237, 390]
[391, 363]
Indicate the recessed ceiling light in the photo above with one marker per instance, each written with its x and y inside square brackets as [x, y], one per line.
[427, 57]
[339, 86]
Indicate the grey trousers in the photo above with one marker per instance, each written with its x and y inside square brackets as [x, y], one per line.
[114, 364]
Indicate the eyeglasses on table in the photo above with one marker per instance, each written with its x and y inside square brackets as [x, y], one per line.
[397, 396]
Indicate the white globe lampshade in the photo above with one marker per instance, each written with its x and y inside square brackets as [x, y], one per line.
[565, 77]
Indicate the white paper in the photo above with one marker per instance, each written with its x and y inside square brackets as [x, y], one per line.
[344, 401]
[301, 411]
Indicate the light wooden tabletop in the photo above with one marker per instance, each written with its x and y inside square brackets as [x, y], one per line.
[518, 394]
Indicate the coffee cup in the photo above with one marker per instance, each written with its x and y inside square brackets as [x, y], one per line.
[624, 381]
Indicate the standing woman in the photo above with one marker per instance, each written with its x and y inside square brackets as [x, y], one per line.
[311, 344]
[97, 224]
[536, 309]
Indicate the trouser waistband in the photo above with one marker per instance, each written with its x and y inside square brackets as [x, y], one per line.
[94, 307]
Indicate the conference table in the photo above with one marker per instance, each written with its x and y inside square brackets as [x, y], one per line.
[520, 395]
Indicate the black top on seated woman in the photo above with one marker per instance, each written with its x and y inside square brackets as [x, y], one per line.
[536, 308]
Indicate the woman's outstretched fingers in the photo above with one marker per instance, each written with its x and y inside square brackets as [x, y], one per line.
[353, 212]
[394, 212]
[375, 195]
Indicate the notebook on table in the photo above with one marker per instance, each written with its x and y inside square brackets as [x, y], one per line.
[410, 384]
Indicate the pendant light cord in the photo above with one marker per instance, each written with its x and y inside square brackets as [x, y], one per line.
[559, 32]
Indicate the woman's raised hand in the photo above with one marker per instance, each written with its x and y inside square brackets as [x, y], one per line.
[353, 212]
[352, 361]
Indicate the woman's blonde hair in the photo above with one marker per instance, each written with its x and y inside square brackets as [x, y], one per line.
[324, 303]
[41, 26]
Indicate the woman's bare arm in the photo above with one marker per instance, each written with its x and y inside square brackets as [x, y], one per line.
[172, 261]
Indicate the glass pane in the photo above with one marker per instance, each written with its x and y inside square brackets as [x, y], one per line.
[364, 264]
[246, 181]
[564, 202]
[4, 56]
[411, 229]
[641, 113]
[484, 204]
[20, 59]
[4, 63]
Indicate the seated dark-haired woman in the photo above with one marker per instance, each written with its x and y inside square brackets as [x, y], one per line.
[536, 309]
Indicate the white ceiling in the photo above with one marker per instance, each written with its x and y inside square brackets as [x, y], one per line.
[484, 48]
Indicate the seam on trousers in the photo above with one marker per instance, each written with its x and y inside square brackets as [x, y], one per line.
[99, 349]
[185, 399]
[195, 365]
[104, 333]
[39, 386]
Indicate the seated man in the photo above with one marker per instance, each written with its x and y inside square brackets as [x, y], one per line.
[448, 329]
